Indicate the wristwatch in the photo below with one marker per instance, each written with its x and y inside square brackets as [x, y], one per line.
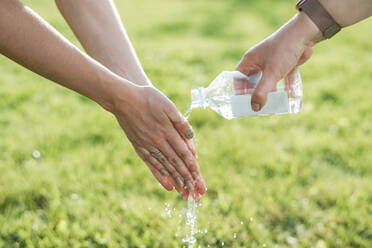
[320, 16]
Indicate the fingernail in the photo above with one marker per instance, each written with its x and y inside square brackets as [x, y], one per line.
[164, 172]
[179, 182]
[189, 134]
[194, 175]
[190, 186]
[256, 107]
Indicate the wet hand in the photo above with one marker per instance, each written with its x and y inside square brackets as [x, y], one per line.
[162, 137]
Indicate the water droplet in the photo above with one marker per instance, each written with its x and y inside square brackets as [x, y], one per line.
[74, 196]
[292, 240]
[234, 235]
[223, 243]
[36, 154]
[35, 227]
[168, 210]
[314, 164]
[333, 129]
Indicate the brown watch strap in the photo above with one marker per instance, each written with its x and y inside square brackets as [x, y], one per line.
[320, 16]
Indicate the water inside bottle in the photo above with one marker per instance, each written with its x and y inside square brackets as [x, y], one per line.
[230, 95]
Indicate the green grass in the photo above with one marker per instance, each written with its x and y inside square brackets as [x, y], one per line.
[301, 181]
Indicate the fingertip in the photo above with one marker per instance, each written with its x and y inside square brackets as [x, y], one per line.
[169, 187]
[179, 189]
[200, 185]
[185, 195]
[256, 107]
[197, 197]
[258, 100]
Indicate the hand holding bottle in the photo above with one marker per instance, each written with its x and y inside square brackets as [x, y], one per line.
[279, 55]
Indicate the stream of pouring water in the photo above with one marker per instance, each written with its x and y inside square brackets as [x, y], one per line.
[191, 219]
[191, 216]
[188, 112]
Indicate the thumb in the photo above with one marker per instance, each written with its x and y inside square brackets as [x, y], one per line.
[266, 85]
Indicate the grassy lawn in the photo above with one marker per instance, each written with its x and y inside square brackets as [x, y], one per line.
[283, 181]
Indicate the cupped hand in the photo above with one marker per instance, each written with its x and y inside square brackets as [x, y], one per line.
[278, 56]
[162, 137]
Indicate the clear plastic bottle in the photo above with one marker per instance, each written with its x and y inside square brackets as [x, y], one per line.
[230, 95]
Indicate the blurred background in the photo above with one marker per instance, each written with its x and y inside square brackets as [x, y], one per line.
[70, 178]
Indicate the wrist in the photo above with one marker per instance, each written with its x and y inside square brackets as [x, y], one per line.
[116, 91]
[132, 75]
[306, 30]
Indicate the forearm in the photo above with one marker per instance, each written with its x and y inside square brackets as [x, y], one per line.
[348, 12]
[97, 25]
[345, 13]
[33, 43]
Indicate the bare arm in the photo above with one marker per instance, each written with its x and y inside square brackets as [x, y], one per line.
[148, 118]
[97, 25]
[346, 12]
[33, 43]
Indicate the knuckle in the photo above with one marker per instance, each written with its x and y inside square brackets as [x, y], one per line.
[180, 121]
[190, 162]
[173, 171]
[184, 155]
[163, 160]
[146, 157]
[185, 124]
[157, 166]
[174, 162]
[186, 175]
[158, 142]
[169, 108]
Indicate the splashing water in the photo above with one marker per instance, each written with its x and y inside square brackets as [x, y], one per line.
[168, 210]
[191, 219]
[187, 221]
[192, 205]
